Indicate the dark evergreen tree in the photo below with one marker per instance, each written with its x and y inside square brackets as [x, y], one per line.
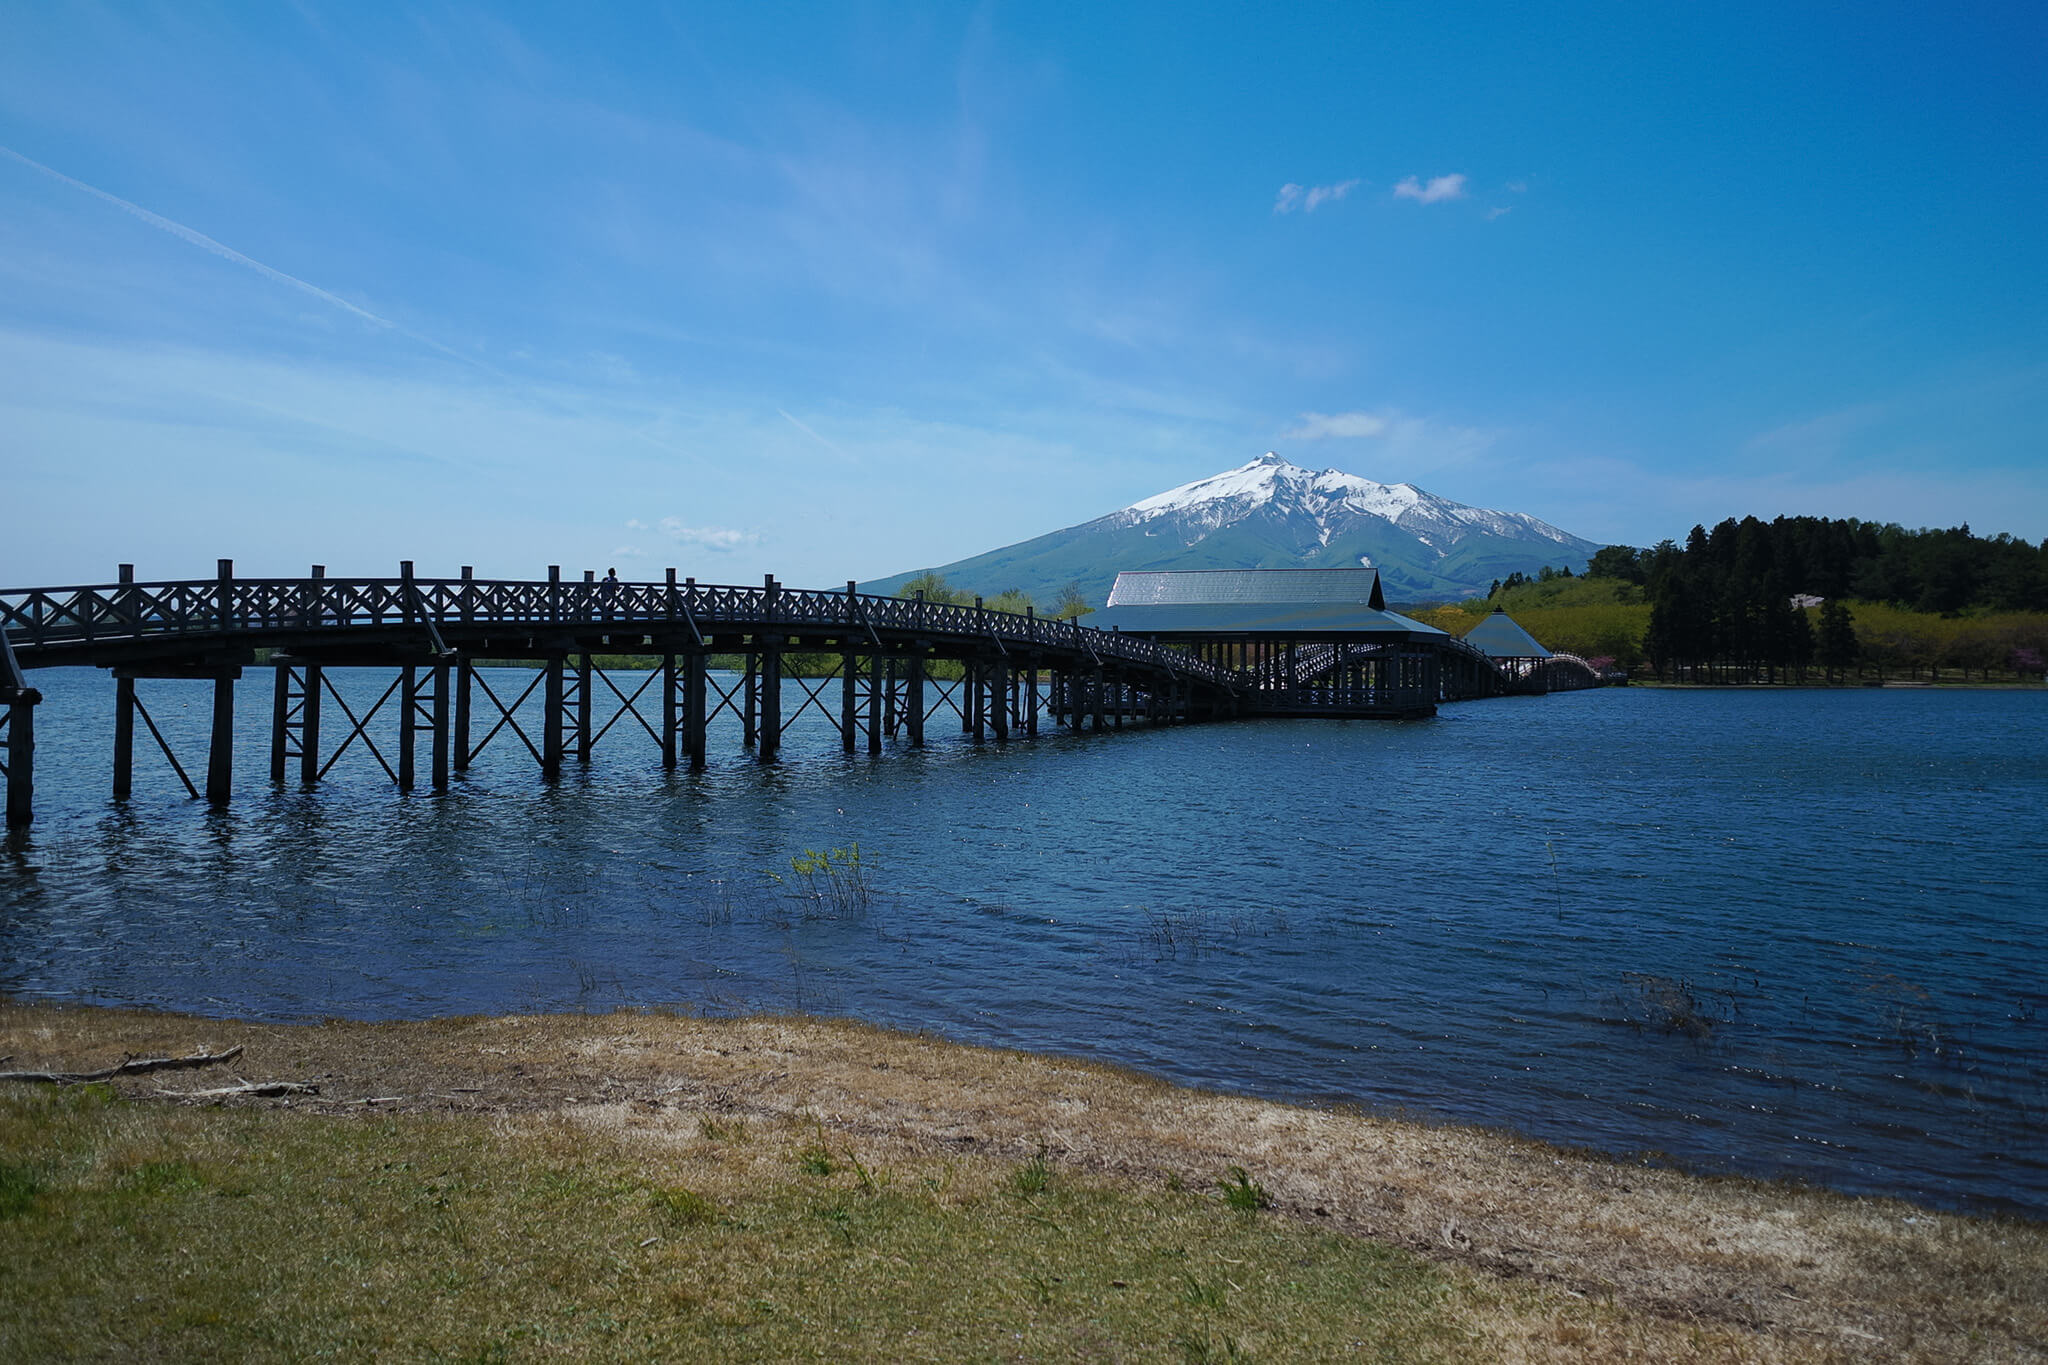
[1838, 647]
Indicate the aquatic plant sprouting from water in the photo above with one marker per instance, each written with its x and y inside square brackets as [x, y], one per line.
[1173, 932]
[1672, 1004]
[840, 881]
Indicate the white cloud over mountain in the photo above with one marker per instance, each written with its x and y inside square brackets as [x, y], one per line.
[1316, 426]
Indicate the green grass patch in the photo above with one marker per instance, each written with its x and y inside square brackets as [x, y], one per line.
[167, 1232]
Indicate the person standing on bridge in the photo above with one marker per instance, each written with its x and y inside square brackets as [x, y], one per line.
[608, 592]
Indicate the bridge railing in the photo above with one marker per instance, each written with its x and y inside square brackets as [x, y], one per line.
[36, 618]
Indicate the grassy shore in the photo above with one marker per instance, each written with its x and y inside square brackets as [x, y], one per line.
[646, 1186]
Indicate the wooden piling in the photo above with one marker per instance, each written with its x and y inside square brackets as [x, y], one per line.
[408, 721]
[913, 700]
[551, 716]
[694, 707]
[280, 718]
[584, 737]
[750, 698]
[220, 752]
[460, 745]
[21, 755]
[770, 736]
[124, 737]
[876, 688]
[1006, 700]
[437, 714]
[671, 722]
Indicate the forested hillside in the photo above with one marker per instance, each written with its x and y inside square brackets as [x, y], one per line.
[1752, 600]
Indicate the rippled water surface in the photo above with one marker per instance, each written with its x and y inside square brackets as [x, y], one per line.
[1790, 934]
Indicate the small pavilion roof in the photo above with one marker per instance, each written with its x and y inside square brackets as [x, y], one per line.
[1319, 603]
[1502, 638]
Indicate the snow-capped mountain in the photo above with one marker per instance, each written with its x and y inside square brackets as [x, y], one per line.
[1273, 514]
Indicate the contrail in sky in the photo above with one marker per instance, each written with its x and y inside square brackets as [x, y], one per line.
[228, 253]
[815, 436]
[201, 240]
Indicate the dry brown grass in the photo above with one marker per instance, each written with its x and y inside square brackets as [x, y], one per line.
[1591, 1259]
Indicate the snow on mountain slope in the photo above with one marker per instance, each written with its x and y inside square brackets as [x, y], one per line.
[1271, 514]
[1330, 499]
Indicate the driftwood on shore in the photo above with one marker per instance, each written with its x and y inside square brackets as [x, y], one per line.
[257, 1089]
[132, 1066]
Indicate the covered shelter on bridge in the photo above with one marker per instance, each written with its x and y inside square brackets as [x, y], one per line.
[1520, 655]
[1502, 637]
[1308, 642]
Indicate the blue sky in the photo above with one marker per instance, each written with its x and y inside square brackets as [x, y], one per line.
[838, 291]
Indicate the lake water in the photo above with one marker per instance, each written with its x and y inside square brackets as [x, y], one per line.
[1792, 934]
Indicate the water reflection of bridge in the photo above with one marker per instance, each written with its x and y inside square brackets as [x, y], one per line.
[890, 668]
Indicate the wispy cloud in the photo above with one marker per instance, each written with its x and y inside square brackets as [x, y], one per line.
[1308, 198]
[1437, 189]
[1497, 212]
[814, 435]
[1403, 446]
[1317, 426]
[202, 241]
[721, 539]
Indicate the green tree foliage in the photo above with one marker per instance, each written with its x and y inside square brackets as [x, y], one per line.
[1838, 646]
[1624, 562]
[935, 589]
[1070, 604]
[1731, 604]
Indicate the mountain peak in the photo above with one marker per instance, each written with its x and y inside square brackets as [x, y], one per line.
[1271, 513]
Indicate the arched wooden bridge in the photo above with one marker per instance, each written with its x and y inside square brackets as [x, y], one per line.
[1012, 668]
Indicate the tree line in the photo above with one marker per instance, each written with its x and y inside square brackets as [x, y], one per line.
[934, 587]
[1734, 602]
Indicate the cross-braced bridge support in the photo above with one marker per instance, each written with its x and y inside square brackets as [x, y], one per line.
[876, 670]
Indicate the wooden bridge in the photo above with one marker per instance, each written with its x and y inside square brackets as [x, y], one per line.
[887, 657]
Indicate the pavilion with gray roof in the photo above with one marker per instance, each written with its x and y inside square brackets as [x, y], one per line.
[1311, 642]
[1503, 638]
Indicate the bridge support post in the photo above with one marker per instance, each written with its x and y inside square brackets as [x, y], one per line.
[21, 755]
[439, 716]
[876, 688]
[583, 734]
[1031, 700]
[408, 722]
[999, 698]
[220, 751]
[124, 737]
[771, 697]
[972, 696]
[913, 699]
[309, 730]
[1101, 699]
[889, 708]
[280, 717]
[551, 719]
[294, 714]
[462, 685]
[670, 722]
[694, 706]
[849, 694]
[750, 710]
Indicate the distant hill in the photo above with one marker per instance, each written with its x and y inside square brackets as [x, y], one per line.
[1270, 514]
